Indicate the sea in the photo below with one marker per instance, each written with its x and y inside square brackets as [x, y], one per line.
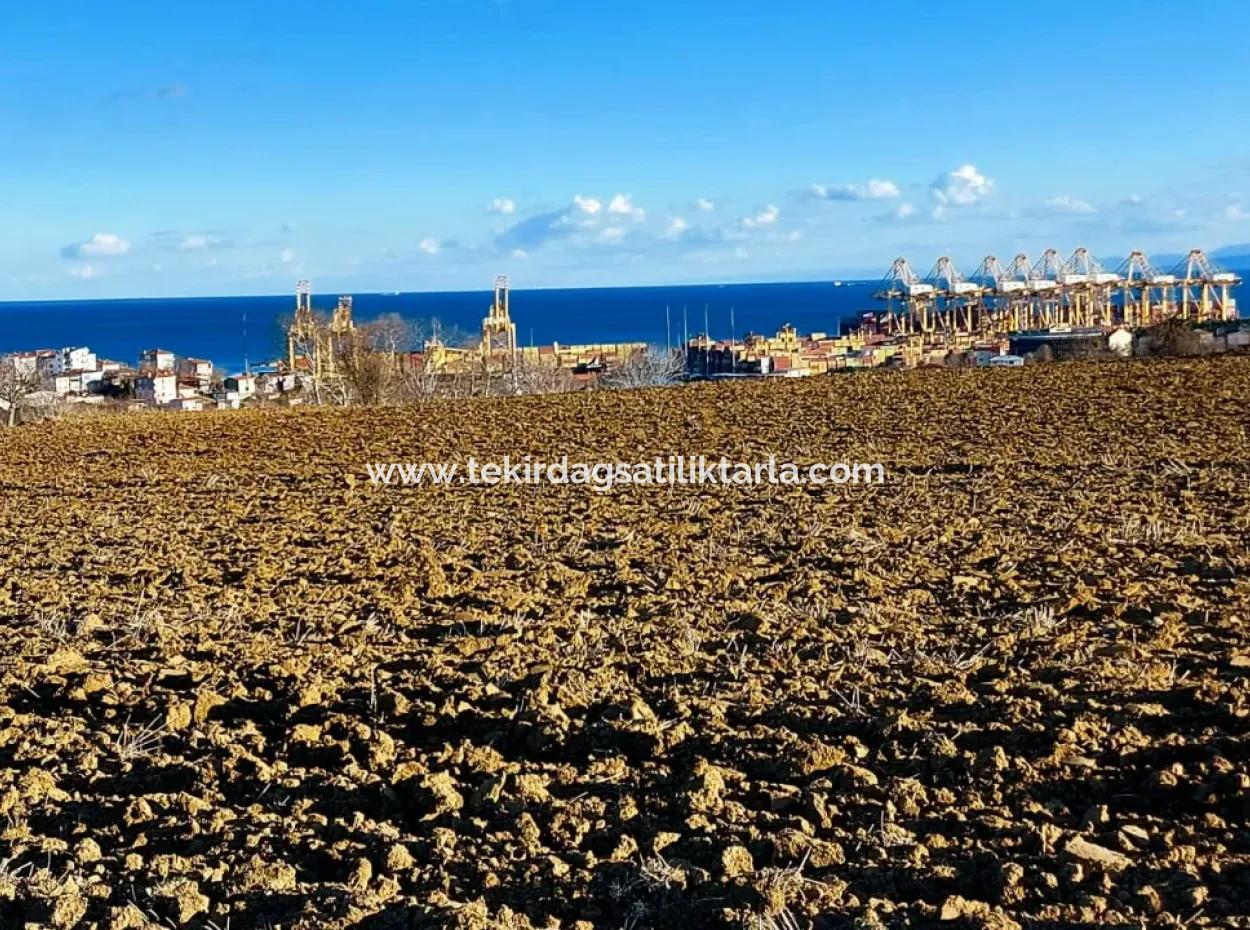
[236, 331]
[232, 331]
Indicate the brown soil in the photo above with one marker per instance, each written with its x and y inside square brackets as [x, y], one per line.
[242, 688]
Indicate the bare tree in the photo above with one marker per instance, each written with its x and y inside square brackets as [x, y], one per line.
[654, 367]
[16, 384]
[370, 361]
[394, 333]
[530, 377]
[418, 379]
[306, 343]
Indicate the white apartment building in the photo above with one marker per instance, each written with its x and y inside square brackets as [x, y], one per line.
[156, 360]
[75, 382]
[157, 387]
[242, 385]
[73, 358]
[195, 369]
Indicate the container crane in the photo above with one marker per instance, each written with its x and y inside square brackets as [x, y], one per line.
[1004, 299]
[909, 300]
[1147, 292]
[1203, 289]
[958, 300]
[1087, 290]
[1046, 290]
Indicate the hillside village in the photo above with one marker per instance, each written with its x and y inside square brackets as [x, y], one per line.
[75, 375]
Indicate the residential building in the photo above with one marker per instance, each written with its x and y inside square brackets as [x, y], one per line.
[195, 369]
[73, 358]
[242, 385]
[76, 383]
[157, 387]
[45, 364]
[156, 360]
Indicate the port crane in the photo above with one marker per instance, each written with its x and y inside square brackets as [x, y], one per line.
[1046, 290]
[1203, 289]
[958, 301]
[1147, 294]
[1087, 290]
[1005, 299]
[1052, 293]
[909, 301]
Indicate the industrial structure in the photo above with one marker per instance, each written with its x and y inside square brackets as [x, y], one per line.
[499, 353]
[1051, 293]
[310, 344]
[498, 330]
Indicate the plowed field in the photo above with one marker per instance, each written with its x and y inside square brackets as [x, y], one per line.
[240, 687]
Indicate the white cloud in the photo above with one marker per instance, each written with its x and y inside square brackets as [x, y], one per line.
[587, 205]
[1236, 213]
[905, 212]
[287, 255]
[875, 189]
[504, 205]
[612, 234]
[740, 252]
[621, 205]
[705, 204]
[197, 242]
[676, 226]
[101, 245]
[1069, 204]
[430, 246]
[520, 254]
[962, 187]
[86, 271]
[765, 216]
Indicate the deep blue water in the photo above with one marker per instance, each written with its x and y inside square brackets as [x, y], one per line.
[213, 327]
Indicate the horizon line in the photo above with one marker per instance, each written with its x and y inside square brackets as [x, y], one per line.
[465, 290]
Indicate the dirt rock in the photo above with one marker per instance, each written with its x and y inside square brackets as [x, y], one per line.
[87, 851]
[186, 898]
[399, 859]
[976, 914]
[736, 861]
[1097, 855]
[259, 875]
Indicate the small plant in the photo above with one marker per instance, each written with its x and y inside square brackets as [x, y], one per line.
[656, 872]
[782, 920]
[134, 743]
[55, 625]
[142, 624]
[1037, 620]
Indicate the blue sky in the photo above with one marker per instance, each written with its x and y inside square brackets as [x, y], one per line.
[167, 149]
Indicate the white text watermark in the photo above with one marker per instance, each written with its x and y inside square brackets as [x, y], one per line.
[666, 471]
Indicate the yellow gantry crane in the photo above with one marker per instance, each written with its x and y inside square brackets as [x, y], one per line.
[1006, 302]
[1052, 293]
[1203, 289]
[1087, 290]
[909, 301]
[1147, 294]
